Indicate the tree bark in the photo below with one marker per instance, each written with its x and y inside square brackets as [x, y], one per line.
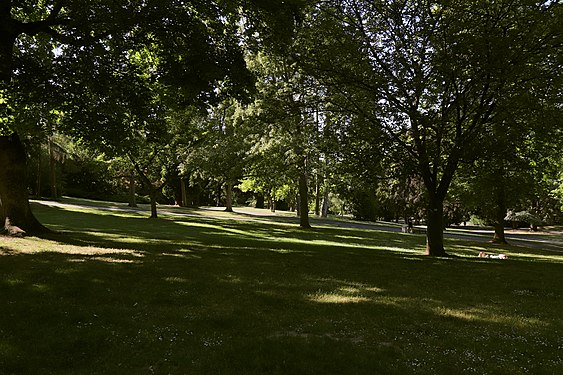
[324, 209]
[317, 196]
[38, 182]
[154, 189]
[259, 200]
[303, 201]
[435, 227]
[229, 197]
[269, 202]
[15, 212]
[184, 202]
[53, 171]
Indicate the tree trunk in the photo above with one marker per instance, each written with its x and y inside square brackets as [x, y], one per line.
[324, 210]
[303, 202]
[132, 191]
[435, 227]
[229, 197]
[317, 196]
[15, 211]
[184, 202]
[269, 201]
[259, 200]
[38, 185]
[53, 171]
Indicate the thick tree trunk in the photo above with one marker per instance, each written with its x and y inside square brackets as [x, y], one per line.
[259, 200]
[499, 237]
[229, 197]
[303, 202]
[435, 227]
[317, 196]
[15, 212]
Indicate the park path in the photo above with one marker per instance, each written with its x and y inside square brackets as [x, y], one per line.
[553, 241]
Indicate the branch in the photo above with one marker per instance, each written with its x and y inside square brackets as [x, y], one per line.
[45, 25]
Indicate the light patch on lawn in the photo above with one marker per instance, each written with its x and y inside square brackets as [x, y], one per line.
[115, 260]
[346, 292]
[33, 245]
[336, 298]
[489, 315]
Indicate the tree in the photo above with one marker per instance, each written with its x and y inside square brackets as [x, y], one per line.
[287, 102]
[197, 43]
[223, 150]
[433, 76]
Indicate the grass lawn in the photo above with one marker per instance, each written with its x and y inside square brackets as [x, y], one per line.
[117, 293]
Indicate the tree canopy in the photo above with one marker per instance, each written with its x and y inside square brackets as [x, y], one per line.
[401, 108]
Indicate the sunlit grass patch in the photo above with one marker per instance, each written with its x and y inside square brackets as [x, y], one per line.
[34, 245]
[336, 298]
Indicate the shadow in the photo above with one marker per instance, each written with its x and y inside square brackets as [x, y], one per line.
[119, 293]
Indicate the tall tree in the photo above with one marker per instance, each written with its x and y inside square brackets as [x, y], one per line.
[223, 150]
[287, 102]
[433, 76]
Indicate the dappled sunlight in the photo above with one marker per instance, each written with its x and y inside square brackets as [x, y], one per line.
[34, 245]
[489, 314]
[115, 260]
[336, 298]
[183, 288]
[343, 292]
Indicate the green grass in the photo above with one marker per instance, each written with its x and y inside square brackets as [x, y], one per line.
[116, 293]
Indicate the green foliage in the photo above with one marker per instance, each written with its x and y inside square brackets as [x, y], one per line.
[523, 216]
[222, 150]
[558, 191]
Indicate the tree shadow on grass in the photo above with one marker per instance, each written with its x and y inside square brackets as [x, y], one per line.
[225, 312]
[136, 232]
[179, 295]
